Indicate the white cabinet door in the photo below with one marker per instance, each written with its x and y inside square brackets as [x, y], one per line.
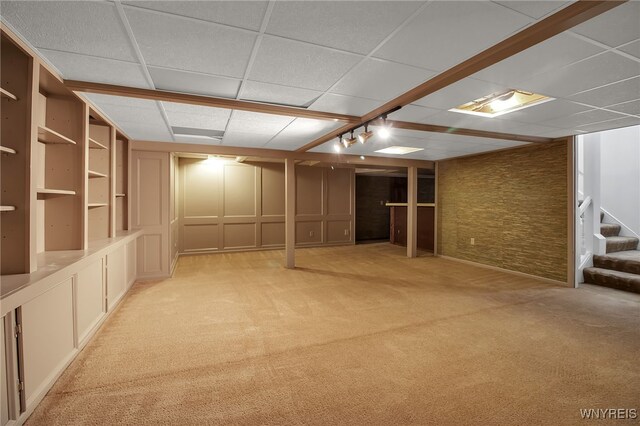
[89, 298]
[47, 337]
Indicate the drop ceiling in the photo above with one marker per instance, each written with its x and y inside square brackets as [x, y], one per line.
[345, 57]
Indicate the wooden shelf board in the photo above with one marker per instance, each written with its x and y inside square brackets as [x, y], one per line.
[7, 94]
[7, 208]
[46, 192]
[121, 195]
[93, 174]
[7, 150]
[46, 135]
[94, 144]
[94, 205]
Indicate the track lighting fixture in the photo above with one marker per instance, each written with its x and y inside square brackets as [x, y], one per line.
[347, 142]
[362, 137]
[384, 132]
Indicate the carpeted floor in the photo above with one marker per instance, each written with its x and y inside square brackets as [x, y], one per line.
[356, 335]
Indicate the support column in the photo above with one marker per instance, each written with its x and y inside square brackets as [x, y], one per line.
[412, 211]
[290, 212]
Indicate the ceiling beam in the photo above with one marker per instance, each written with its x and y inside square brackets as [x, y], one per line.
[209, 101]
[567, 18]
[466, 132]
[280, 154]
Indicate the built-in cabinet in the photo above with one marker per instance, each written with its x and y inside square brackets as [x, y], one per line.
[68, 256]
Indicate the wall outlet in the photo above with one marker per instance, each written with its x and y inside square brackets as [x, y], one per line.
[346, 232]
[311, 233]
[473, 241]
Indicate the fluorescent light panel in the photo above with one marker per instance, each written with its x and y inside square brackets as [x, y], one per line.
[399, 150]
[501, 103]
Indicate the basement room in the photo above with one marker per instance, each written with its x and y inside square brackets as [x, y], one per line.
[319, 212]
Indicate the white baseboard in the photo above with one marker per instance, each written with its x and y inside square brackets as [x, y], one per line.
[508, 271]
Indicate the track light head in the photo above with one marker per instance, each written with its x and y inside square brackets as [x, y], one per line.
[384, 131]
[362, 137]
[347, 142]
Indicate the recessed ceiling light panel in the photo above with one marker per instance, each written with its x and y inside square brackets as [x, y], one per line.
[399, 150]
[501, 103]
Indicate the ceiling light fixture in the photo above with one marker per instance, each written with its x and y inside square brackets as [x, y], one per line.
[501, 103]
[362, 137]
[384, 131]
[347, 142]
[399, 150]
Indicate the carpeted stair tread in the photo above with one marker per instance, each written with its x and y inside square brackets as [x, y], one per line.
[623, 261]
[612, 279]
[615, 244]
[609, 229]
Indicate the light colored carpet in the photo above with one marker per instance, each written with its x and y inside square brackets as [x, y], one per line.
[356, 335]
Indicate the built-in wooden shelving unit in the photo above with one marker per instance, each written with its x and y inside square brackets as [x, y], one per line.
[121, 183]
[16, 83]
[120, 195]
[100, 143]
[48, 191]
[6, 94]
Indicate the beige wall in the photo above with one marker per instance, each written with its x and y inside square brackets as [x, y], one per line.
[513, 203]
[226, 206]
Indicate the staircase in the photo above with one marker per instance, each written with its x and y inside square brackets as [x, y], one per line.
[620, 267]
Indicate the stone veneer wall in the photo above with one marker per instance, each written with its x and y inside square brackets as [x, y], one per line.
[513, 203]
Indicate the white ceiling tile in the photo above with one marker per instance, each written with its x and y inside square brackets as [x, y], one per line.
[459, 93]
[300, 132]
[243, 14]
[129, 110]
[258, 123]
[380, 80]
[558, 51]
[623, 91]
[588, 74]
[535, 9]
[190, 82]
[446, 33]
[291, 63]
[98, 70]
[545, 111]
[341, 104]
[582, 119]
[632, 107]
[610, 125]
[191, 45]
[277, 94]
[614, 27]
[465, 121]
[195, 116]
[144, 131]
[558, 133]
[413, 113]
[90, 28]
[242, 139]
[632, 48]
[354, 26]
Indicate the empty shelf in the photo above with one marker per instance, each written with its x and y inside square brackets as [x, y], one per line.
[93, 174]
[7, 150]
[121, 195]
[7, 208]
[94, 205]
[94, 144]
[46, 135]
[7, 94]
[46, 192]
